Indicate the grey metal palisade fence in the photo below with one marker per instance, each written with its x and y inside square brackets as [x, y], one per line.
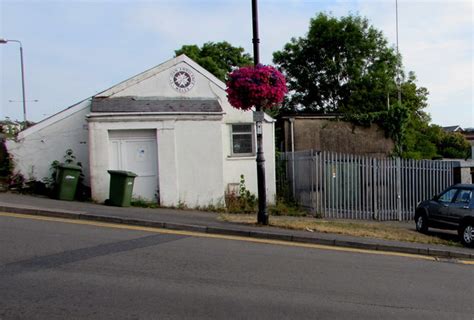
[345, 186]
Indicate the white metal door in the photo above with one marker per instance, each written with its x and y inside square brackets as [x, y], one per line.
[136, 151]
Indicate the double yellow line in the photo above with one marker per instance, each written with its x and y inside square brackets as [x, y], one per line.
[227, 237]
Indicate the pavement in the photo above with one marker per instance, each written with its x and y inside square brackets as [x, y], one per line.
[207, 222]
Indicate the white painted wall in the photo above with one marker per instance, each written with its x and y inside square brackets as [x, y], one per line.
[194, 162]
[156, 83]
[159, 85]
[136, 151]
[200, 168]
[189, 157]
[99, 149]
[38, 146]
[234, 167]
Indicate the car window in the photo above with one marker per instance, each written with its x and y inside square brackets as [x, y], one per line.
[463, 197]
[447, 196]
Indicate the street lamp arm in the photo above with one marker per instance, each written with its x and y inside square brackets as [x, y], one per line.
[3, 41]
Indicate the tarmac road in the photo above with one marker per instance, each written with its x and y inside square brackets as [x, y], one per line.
[64, 270]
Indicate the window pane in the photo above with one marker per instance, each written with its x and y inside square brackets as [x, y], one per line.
[242, 143]
[247, 128]
[464, 196]
[448, 196]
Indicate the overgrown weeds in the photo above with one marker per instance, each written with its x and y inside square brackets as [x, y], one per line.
[242, 201]
[143, 203]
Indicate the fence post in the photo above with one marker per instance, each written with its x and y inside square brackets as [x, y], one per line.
[399, 189]
[374, 189]
[311, 187]
[293, 181]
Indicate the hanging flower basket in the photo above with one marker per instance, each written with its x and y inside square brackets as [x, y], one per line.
[262, 86]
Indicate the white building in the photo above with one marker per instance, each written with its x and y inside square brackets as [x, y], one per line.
[171, 125]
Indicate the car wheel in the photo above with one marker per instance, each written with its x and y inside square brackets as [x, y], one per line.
[467, 234]
[421, 223]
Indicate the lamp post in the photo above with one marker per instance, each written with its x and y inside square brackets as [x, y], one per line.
[262, 216]
[399, 85]
[4, 41]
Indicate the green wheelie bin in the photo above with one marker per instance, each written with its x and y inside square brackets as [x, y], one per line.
[67, 179]
[121, 188]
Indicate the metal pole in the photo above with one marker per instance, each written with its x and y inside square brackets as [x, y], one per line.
[262, 216]
[398, 177]
[23, 85]
[255, 40]
[398, 55]
[3, 41]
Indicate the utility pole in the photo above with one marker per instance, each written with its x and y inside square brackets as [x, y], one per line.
[262, 216]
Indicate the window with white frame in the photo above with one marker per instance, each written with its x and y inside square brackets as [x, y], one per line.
[242, 140]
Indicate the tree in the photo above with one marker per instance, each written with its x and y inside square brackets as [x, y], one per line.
[345, 66]
[342, 65]
[217, 57]
[454, 145]
[432, 142]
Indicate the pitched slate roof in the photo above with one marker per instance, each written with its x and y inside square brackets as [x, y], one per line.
[134, 104]
[452, 129]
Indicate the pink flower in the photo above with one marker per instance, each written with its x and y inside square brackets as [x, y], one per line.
[251, 86]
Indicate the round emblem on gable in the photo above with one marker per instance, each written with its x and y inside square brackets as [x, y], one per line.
[182, 79]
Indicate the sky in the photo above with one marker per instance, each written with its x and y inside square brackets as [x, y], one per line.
[74, 49]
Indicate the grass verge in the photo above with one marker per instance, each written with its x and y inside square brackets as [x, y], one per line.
[399, 231]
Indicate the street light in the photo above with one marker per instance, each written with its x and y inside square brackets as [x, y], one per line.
[4, 41]
[399, 86]
[262, 216]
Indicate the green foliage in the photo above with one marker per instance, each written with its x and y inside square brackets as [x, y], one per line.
[394, 121]
[424, 141]
[6, 162]
[421, 140]
[217, 57]
[395, 124]
[282, 208]
[82, 192]
[243, 202]
[68, 158]
[11, 128]
[454, 145]
[143, 203]
[342, 65]
[16, 182]
[50, 181]
[181, 205]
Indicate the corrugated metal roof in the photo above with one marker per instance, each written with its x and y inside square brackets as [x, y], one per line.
[134, 104]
